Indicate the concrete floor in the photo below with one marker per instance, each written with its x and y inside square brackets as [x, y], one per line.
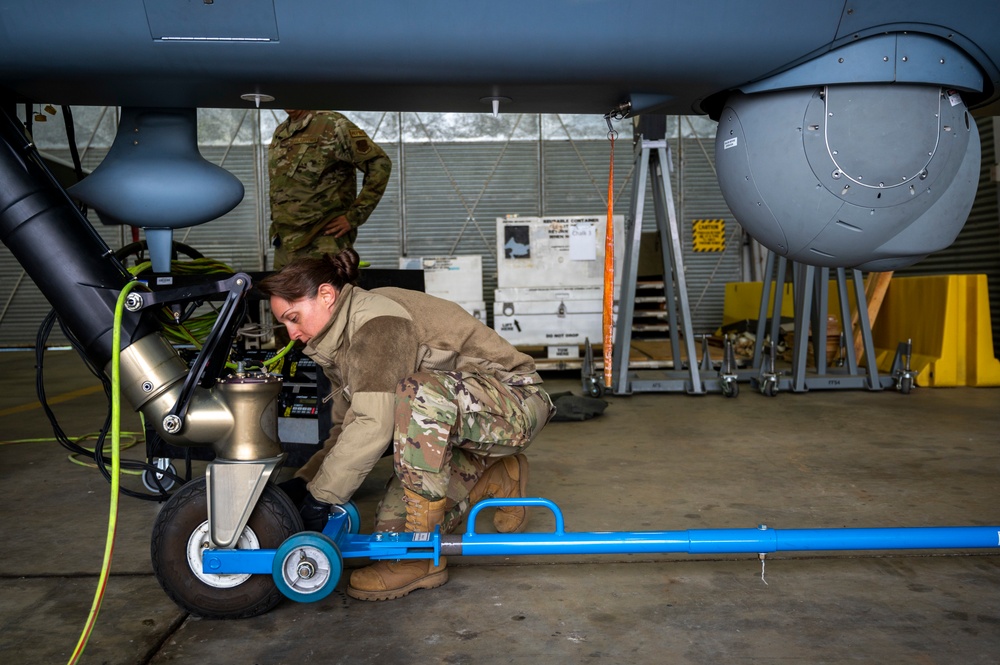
[651, 462]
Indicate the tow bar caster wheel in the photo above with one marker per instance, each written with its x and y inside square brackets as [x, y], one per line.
[729, 387]
[353, 516]
[307, 567]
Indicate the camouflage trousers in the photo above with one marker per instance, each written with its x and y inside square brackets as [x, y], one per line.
[449, 428]
[318, 248]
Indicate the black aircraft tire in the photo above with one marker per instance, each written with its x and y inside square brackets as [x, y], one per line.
[184, 516]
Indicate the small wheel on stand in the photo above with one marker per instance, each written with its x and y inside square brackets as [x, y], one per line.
[180, 536]
[729, 388]
[770, 388]
[307, 567]
[905, 384]
[158, 482]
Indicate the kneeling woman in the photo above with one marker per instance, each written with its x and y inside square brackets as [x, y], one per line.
[456, 401]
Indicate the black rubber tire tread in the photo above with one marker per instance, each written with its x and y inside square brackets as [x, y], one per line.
[905, 385]
[730, 388]
[273, 520]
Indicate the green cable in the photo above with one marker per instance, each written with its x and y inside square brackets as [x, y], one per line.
[77, 440]
[196, 329]
[115, 473]
[268, 364]
[72, 457]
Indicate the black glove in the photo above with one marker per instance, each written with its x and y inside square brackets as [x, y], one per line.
[296, 490]
[315, 513]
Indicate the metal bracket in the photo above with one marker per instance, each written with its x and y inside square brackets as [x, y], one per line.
[211, 359]
[233, 489]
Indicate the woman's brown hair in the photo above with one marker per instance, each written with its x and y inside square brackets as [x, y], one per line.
[303, 277]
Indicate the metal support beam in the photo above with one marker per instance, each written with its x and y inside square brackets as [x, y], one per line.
[653, 157]
[811, 296]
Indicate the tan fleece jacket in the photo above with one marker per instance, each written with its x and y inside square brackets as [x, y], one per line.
[375, 339]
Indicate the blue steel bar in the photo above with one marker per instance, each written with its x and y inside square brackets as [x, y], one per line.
[721, 541]
[761, 540]
[704, 541]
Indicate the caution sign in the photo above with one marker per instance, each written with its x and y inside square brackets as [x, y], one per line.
[709, 235]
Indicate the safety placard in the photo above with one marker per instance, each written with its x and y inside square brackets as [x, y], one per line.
[708, 235]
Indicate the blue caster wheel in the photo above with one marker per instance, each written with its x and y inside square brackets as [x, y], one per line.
[307, 567]
[353, 516]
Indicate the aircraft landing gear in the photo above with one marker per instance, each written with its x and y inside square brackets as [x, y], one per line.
[180, 535]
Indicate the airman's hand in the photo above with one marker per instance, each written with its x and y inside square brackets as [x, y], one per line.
[337, 227]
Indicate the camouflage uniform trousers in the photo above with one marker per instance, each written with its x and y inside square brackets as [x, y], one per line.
[317, 249]
[445, 438]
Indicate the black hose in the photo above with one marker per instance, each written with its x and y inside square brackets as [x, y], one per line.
[97, 455]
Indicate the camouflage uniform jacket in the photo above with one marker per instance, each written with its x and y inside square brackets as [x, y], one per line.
[374, 340]
[313, 165]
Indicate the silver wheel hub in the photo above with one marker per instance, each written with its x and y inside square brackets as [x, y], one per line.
[200, 541]
[306, 569]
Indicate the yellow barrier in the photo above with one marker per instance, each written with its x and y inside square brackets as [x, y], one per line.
[742, 302]
[946, 316]
[948, 319]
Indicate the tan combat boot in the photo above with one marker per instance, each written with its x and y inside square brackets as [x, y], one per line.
[386, 580]
[507, 478]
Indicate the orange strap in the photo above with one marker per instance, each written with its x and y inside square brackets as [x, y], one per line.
[609, 267]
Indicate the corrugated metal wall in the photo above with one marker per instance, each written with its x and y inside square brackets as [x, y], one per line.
[445, 196]
[453, 176]
[699, 197]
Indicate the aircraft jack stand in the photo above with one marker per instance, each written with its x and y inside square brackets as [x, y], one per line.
[591, 384]
[766, 380]
[307, 566]
[728, 377]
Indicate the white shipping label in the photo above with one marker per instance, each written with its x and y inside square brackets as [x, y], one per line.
[583, 242]
[729, 143]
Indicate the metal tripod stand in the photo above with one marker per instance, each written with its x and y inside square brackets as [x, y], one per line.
[653, 157]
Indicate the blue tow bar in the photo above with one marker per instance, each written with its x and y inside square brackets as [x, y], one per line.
[307, 566]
